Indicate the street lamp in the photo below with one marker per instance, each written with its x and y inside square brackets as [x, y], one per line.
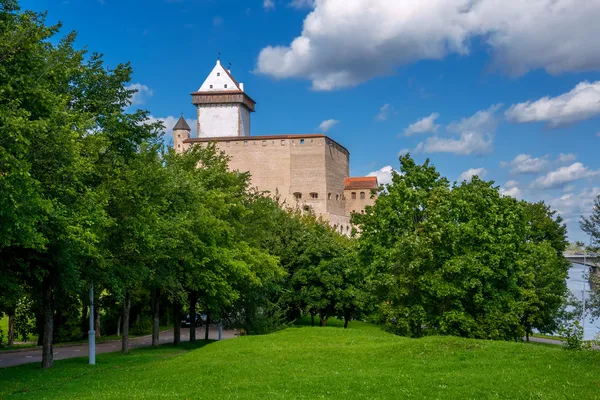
[92, 332]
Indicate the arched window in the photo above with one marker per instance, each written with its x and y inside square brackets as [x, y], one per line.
[362, 195]
[298, 196]
[314, 195]
[337, 196]
[353, 195]
[225, 86]
[328, 196]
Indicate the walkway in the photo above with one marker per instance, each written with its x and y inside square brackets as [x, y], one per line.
[18, 357]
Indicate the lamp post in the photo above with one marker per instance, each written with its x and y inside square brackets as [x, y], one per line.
[92, 332]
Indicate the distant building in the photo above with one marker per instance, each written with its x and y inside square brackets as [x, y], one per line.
[308, 170]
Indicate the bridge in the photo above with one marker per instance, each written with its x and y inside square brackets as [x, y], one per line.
[590, 260]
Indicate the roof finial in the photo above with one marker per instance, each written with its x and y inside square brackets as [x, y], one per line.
[219, 56]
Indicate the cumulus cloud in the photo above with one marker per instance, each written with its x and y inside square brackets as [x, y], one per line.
[269, 4]
[581, 103]
[471, 172]
[328, 124]
[572, 205]
[564, 158]
[384, 112]
[384, 175]
[142, 93]
[424, 125]
[563, 176]
[526, 164]
[300, 4]
[512, 192]
[521, 35]
[475, 135]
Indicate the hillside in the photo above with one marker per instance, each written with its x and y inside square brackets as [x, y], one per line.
[304, 362]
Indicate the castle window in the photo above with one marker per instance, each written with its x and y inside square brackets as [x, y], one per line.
[362, 211]
[298, 196]
[264, 142]
[306, 208]
[337, 196]
[328, 196]
[301, 141]
[283, 142]
[225, 86]
[211, 86]
[353, 195]
[218, 74]
[314, 195]
[227, 144]
[245, 143]
[362, 195]
[347, 229]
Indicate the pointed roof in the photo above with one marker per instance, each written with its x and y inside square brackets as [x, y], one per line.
[219, 80]
[182, 125]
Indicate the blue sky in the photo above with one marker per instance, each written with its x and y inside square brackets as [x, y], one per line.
[507, 89]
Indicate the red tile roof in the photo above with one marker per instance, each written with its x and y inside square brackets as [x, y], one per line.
[363, 182]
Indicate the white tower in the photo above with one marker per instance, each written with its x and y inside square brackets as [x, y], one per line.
[223, 107]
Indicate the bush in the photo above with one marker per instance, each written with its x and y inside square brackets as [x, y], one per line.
[1, 336]
[573, 334]
[143, 326]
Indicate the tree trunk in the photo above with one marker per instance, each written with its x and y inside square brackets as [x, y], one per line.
[527, 336]
[155, 317]
[346, 320]
[11, 329]
[312, 319]
[119, 327]
[176, 324]
[207, 329]
[97, 320]
[125, 338]
[193, 301]
[47, 356]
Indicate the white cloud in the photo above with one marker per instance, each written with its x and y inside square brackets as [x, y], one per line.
[475, 135]
[169, 122]
[384, 175]
[512, 192]
[565, 158]
[328, 124]
[526, 164]
[563, 176]
[300, 4]
[471, 172]
[269, 4]
[424, 125]
[573, 205]
[581, 103]
[344, 43]
[142, 94]
[511, 184]
[384, 112]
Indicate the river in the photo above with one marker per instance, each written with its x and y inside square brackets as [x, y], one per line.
[575, 282]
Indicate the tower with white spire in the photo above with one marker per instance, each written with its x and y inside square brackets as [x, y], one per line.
[223, 106]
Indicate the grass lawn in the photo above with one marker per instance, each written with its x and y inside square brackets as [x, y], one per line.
[304, 362]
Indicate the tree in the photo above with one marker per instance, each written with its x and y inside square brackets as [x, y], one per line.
[464, 260]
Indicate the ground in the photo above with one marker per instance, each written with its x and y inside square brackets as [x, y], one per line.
[305, 362]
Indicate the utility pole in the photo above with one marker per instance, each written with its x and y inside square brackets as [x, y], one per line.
[92, 332]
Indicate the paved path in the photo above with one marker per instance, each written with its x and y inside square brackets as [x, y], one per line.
[10, 358]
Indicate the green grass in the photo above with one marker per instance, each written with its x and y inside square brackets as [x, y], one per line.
[304, 362]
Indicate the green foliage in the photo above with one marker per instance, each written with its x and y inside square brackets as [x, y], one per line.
[24, 319]
[462, 260]
[143, 326]
[572, 335]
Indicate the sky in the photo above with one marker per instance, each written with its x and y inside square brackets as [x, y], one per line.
[508, 90]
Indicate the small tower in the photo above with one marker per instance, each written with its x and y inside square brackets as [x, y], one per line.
[223, 106]
[181, 132]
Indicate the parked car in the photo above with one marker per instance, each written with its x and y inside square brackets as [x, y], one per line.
[200, 319]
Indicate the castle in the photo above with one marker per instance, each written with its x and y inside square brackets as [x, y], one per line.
[308, 170]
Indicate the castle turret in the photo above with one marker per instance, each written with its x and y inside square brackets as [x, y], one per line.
[181, 132]
[223, 106]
